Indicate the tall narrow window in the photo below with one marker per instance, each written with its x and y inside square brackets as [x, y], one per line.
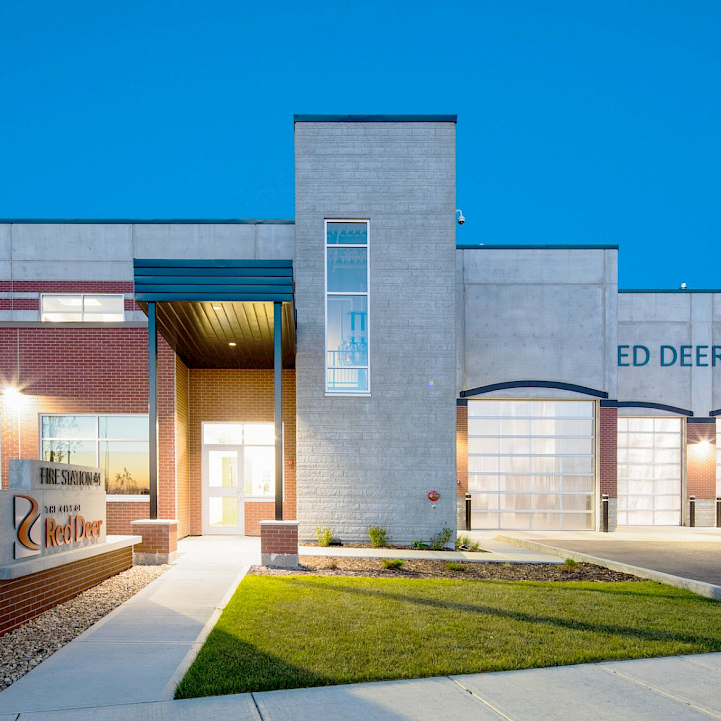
[346, 308]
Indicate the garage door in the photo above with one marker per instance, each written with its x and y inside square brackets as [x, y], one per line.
[649, 471]
[531, 464]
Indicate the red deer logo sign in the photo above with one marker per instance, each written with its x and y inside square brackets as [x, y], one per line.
[28, 528]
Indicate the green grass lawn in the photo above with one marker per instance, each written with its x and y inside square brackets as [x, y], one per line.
[291, 631]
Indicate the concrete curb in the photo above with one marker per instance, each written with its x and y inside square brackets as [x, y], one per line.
[702, 589]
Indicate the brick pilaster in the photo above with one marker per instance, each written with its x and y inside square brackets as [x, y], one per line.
[160, 541]
[279, 543]
[701, 459]
[608, 463]
[608, 451]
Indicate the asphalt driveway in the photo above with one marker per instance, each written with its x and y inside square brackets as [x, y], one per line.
[687, 552]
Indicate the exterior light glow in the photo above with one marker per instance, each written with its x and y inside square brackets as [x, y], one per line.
[232, 344]
[217, 307]
[701, 450]
[14, 396]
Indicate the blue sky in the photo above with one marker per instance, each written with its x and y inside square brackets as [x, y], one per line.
[578, 122]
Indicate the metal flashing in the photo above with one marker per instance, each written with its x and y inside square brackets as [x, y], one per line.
[534, 384]
[461, 402]
[647, 404]
[530, 246]
[147, 221]
[375, 118]
[701, 419]
[670, 290]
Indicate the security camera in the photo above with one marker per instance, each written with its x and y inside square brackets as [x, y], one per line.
[461, 219]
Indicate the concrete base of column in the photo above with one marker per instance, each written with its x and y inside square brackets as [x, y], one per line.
[160, 541]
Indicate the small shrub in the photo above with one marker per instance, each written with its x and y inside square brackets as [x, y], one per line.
[324, 535]
[378, 536]
[466, 544]
[569, 565]
[441, 538]
[419, 544]
[391, 563]
[453, 566]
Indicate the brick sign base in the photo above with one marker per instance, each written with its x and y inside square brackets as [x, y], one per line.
[24, 598]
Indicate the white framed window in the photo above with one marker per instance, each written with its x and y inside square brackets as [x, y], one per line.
[82, 307]
[347, 307]
[250, 461]
[117, 443]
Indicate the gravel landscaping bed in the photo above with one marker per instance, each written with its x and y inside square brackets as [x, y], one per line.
[25, 647]
[471, 570]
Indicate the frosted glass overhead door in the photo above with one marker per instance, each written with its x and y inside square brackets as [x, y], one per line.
[649, 471]
[531, 464]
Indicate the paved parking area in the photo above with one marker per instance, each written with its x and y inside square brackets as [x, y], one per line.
[693, 553]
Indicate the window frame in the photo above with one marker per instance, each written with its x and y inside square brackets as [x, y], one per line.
[85, 317]
[366, 294]
[132, 497]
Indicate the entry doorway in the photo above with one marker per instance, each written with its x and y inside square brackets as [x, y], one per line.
[238, 468]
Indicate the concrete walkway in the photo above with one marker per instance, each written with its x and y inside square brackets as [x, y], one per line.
[125, 668]
[139, 651]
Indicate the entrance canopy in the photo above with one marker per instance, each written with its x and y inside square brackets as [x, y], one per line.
[204, 306]
[218, 314]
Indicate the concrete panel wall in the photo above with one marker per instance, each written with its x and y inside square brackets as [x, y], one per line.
[371, 461]
[104, 252]
[538, 314]
[679, 330]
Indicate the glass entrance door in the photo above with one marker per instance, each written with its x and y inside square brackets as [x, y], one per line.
[223, 507]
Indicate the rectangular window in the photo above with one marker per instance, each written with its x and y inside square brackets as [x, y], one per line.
[118, 444]
[82, 307]
[347, 307]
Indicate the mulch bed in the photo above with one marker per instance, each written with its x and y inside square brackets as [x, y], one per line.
[472, 570]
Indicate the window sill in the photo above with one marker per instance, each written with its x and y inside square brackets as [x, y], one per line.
[343, 394]
[133, 498]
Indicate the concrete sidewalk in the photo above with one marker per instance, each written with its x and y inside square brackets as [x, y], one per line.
[678, 688]
[139, 651]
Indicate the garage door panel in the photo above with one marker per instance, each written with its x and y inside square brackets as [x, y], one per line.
[649, 471]
[538, 455]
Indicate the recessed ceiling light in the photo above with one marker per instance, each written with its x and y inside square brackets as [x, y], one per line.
[232, 344]
[217, 307]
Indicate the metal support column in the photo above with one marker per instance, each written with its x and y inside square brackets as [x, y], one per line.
[278, 405]
[153, 408]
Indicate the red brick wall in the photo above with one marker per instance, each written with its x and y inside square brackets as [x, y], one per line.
[462, 450]
[121, 513]
[182, 381]
[279, 538]
[701, 459]
[24, 598]
[68, 370]
[86, 370]
[255, 512]
[166, 430]
[608, 450]
[229, 395]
